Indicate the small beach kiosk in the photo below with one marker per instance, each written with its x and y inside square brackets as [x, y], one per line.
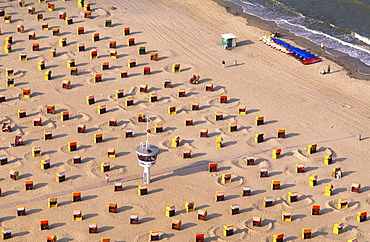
[228, 40]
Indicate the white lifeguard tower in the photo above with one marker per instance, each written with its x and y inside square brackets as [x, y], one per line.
[228, 40]
[147, 154]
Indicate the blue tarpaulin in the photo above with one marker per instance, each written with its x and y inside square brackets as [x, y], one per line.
[301, 54]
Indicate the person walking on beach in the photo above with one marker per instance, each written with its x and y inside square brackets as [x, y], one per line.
[223, 63]
[235, 63]
[106, 178]
[328, 69]
[322, 45]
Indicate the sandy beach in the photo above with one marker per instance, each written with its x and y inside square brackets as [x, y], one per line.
[328, 110]
[349, 64]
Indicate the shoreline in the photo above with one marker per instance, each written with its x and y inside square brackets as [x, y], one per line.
[349, 64]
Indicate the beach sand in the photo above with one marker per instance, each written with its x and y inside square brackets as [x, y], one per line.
[330, 110]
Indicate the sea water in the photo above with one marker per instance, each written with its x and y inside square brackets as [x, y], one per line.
[342, 25]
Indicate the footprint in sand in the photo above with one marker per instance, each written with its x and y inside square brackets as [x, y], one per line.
[351, 218]
[238, 236]
[115, 170]
[301, 203]
[273, 209]
[236, 181]
[197, 88]
[80, 149]
[132, 91]
[351, 205]
[242, 163]
[144, 237]
[183, 66]
[266, 225]
[241, 131]
[28, 157]
[349, 230]
[49, 123]
[291, 170]
[101, 13]
[105, 126]
[167, 144]
[183, 144]
[13, 160]
[84, 117]
[368, 199]
[302, 155]
[265, 163]
[230, 105]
